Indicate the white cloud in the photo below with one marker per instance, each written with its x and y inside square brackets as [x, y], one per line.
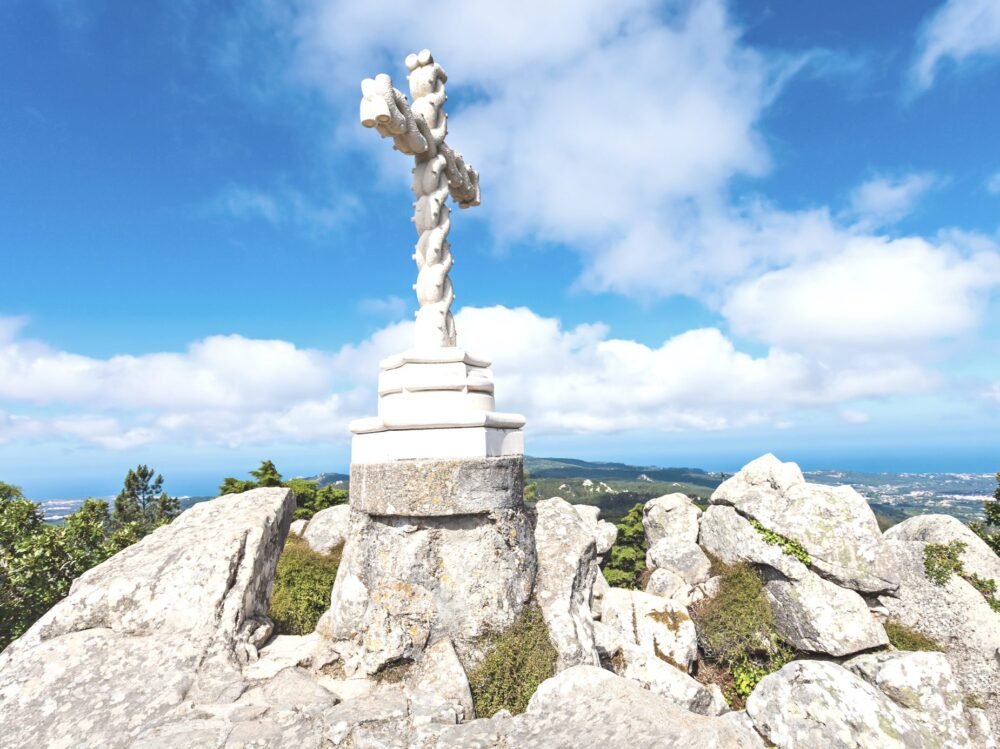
[854, 416]
[958, 30]
[884, 200]
[229, 390]
[389, 306]
[616, 132]
[993, 184]
[876, 294]
[282, 206]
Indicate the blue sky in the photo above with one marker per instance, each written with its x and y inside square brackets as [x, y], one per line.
[709, 230]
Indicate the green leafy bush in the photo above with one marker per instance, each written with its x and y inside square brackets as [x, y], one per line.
[736, 630]
[903, 638]
[302, 586]
[521, 658]
[787, 545]
[941, 561]
[39, 561]
[627, 560]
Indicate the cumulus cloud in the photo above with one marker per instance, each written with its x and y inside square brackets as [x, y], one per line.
[877, 293]
[957, 31]
[230, 390]
[616, 132]
[884, 200]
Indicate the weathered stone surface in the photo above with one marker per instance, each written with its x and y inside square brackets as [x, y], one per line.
[661, 627]
[834, 524]
[729, 536]
[922, 683]
[400, 579]
[590, 707]
[440, 673]
[604, 532]
[815, 615]
[956, 616]
[811, 704]
[328, 529]
[667, 680]
[282, 652]
[977, 557]
[665, 583]
[433, 488]
[567, 569]
[586, 707]
[685, 558]
[597, 593]
[297, 527]
[672, 516]
[169, 619]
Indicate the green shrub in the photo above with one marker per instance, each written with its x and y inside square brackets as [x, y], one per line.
[521, 658]
[941, 561]
[302, 587]
[903, 638]
[736, 630]
[627, 560]
[787, 545]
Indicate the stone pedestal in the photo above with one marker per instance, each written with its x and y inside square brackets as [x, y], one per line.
[440, 545]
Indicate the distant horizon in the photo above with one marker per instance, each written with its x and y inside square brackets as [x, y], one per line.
[209, 489]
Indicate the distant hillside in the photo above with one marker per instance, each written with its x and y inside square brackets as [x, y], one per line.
[324, 479]
[539, 468]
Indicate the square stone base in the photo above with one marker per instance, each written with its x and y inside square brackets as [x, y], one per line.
[438, 488]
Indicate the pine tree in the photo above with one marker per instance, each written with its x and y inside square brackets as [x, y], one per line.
[267, 474]
[166, 509]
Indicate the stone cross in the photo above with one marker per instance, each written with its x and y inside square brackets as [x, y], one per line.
[420, 130]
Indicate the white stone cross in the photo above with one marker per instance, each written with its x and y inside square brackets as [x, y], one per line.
[419, 130]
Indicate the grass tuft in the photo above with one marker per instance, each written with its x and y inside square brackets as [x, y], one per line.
[903, 638]
[302, 587]
[522, 657]
[736, 632]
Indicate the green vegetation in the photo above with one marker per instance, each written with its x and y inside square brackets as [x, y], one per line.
[143, 502]
[627, 561]
[736, 632]
[902, 637]
[787, 545]
[39, 561]
[989, 529]
[310, 497]
[941, 561]
[302, 586]
[521, 658]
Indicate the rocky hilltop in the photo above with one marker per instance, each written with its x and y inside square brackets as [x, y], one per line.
[168, 644]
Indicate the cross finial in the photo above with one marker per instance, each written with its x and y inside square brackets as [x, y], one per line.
[420, 130]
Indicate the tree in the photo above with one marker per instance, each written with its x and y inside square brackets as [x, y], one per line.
[232, 485]
[989, 529]
[134, 504]
[627, 560]
[143, 503]
[267, 474]
[310, 497]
